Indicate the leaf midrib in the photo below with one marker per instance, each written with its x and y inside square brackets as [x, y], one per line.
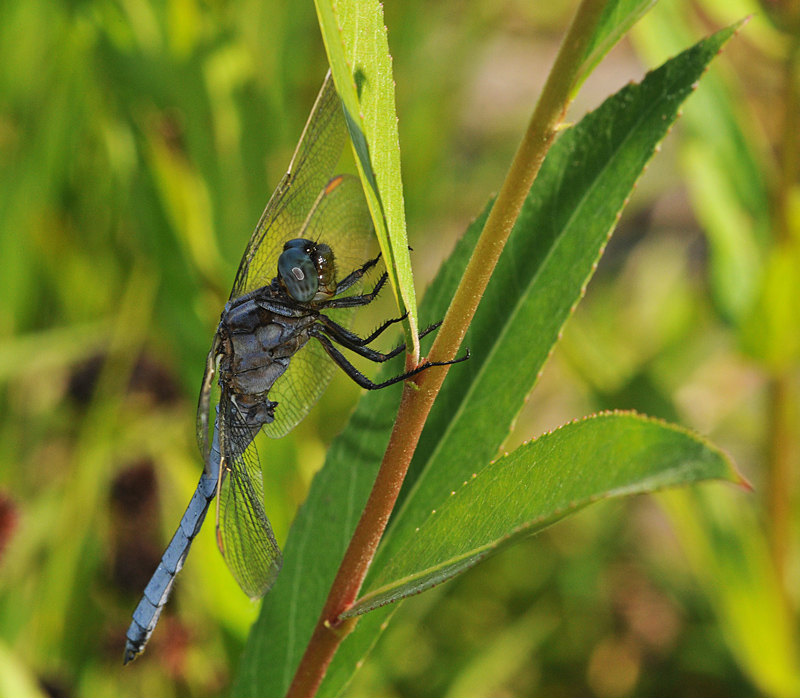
[522, 299]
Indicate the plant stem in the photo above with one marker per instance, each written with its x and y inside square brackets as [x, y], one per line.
[780, 475]
[550, 112]
[790, 144]
[418, 398]
[782, 446]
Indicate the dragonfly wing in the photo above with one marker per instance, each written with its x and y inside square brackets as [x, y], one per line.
[312, 165]
[244, 534]
[206, 403]
[299, 388]
[341, 219]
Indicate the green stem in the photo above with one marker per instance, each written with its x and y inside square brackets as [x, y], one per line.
[418, 397]
[550, 112]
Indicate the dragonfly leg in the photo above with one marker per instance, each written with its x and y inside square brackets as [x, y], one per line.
[352, 341]
[335, 328]
[354, 276]
[354, 301]
[423, 333]
[377, 333]
[365, 382]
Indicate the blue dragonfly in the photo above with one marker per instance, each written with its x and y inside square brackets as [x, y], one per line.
[274, 352]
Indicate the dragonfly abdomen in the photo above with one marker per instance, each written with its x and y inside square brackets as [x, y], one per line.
[158, 589]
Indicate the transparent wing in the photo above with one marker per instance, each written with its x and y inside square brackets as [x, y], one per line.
[341, 219]
[312, 165]
[244, 534]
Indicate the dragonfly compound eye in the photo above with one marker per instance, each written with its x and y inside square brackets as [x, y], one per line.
[326, 268]
[298, 274]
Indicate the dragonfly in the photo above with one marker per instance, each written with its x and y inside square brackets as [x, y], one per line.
[277, 345]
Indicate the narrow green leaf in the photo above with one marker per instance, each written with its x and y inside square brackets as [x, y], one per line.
[610, 455]
[358, 51]
[570, 211]
[16, 679]
[507, 655]
[737, 260]
[727, 183]
[618, 17]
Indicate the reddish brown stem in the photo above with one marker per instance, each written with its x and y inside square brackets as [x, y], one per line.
[329, 631]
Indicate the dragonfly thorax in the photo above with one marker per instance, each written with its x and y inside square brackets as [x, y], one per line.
[307, 270]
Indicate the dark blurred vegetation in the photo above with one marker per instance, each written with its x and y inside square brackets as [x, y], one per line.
[139, 143]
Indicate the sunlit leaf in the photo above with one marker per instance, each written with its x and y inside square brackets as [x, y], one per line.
[726, 178]
[15, 678]
[358, 51]
[618, 17]
[611, 455]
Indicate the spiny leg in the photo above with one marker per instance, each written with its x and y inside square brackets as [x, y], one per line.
[354, 276]
[324, 334]
[342, 333]
[365, 382]
[371, 337]
[353, 301]
[357, 344]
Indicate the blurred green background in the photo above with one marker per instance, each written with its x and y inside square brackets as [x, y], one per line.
[139, 143]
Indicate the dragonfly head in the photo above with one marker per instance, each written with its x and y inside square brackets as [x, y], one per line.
[306, 270]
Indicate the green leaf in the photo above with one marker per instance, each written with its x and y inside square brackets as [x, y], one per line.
[618, 17]
[507, 655]
[15, 678]
[571, 209]
[771, 331]
[610, 455]
[736, 259]
[358, 51]
[727, 182]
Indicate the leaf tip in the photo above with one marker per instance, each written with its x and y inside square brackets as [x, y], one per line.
[740, 480]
